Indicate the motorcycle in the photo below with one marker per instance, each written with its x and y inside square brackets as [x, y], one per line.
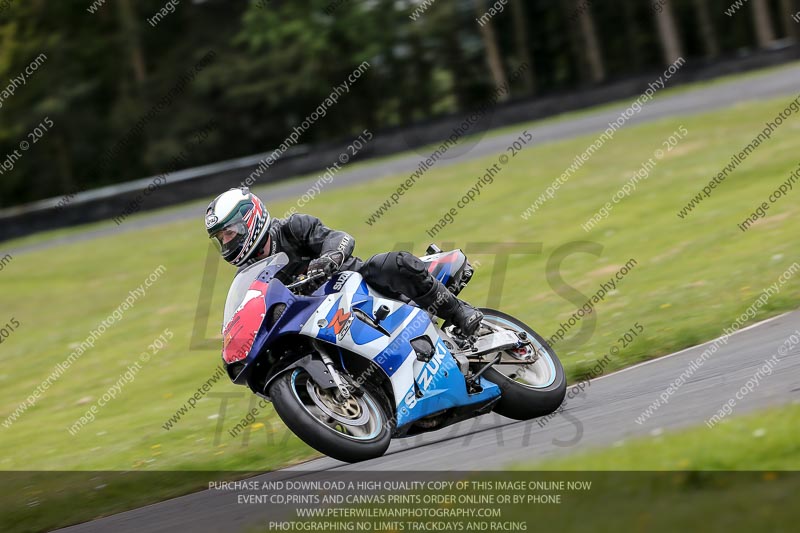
[348, 369]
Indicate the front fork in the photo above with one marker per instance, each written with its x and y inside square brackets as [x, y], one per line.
[344, 390]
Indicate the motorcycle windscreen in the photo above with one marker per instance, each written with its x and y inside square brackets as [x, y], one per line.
[245, 308]
[243, 280]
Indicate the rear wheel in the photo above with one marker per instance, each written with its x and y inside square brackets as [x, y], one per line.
[528, 390]
[348, 429]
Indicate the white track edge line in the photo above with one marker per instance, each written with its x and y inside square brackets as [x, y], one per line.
[661, 358]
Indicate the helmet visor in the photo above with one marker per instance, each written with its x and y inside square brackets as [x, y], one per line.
[231, 239]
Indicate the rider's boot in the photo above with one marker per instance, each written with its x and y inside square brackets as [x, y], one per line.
[443, 303]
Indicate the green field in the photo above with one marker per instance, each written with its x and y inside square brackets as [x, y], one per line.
[693, 277]
[625, 501]
[765, 440]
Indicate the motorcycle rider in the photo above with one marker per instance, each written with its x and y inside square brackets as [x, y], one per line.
[244, 232]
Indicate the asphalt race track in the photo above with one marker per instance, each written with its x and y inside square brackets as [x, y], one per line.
[603, 414]
[771, 84]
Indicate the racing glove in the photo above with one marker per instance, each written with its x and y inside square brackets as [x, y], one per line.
[326, 264]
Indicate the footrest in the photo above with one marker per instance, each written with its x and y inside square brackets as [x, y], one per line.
[497, 341]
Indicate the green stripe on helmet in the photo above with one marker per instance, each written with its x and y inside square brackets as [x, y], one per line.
[224, 222]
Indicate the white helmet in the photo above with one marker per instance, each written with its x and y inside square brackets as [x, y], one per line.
[238, 223]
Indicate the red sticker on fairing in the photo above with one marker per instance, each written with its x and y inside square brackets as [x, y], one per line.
[447, 258]
[240, 332]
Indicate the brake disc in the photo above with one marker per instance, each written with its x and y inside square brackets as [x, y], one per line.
[351, 411]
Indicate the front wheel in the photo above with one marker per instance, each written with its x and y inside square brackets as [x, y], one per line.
[348, 429]
[528, 390]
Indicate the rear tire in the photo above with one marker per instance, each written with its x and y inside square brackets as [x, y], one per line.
[543, 392]
[351, 431]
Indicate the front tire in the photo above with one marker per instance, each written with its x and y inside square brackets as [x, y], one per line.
[528, 391]
[350, 430]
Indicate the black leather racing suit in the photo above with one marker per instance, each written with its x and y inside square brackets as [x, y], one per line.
[395, 274]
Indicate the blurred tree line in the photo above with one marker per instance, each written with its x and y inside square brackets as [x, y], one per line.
[274, 61]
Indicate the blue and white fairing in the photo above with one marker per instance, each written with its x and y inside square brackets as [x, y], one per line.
[440, 383]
